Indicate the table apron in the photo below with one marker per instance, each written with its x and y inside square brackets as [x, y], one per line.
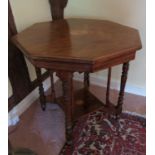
[83, 67]
[63, 66]
[113, 62]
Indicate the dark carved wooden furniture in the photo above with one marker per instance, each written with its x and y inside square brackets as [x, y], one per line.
[80, 45]
[17, 68]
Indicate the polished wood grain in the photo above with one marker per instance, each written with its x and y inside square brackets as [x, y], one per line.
[92, 42]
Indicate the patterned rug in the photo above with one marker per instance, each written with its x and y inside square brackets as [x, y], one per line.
[96, 134]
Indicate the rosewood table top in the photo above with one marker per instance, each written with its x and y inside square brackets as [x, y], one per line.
[97, 44]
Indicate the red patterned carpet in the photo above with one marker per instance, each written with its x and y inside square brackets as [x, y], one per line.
[95, 134]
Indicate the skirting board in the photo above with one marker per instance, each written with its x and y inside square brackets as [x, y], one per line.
[102, 82]
[13, 117]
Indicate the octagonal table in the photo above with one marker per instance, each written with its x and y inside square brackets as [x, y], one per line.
[80, 45]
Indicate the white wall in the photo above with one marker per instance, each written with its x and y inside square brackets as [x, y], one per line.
[127, 12]
[29, 12]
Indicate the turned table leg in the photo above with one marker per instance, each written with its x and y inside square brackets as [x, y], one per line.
[67, 84]
[52, 87]
[125, 69]
[86, 87]
[41, 89]
[86, 80]
[108, 87]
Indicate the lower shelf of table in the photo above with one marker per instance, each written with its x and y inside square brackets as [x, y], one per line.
[84, 103]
